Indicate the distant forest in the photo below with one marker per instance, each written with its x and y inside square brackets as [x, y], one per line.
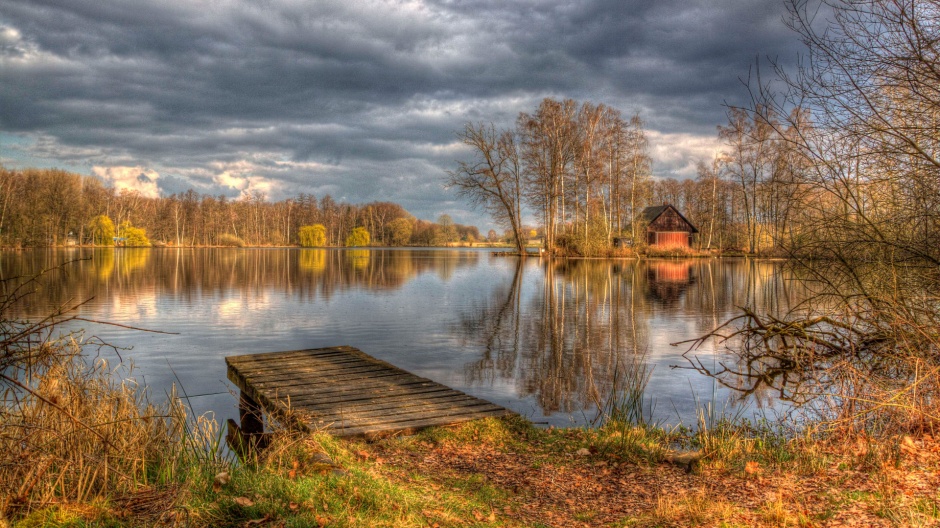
[51, 207]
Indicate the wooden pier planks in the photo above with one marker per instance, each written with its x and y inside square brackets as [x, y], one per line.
[349, 393]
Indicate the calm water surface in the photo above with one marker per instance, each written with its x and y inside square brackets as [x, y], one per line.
[547, 339]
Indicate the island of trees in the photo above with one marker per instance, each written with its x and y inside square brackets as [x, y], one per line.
[843, 161]
[780, 177]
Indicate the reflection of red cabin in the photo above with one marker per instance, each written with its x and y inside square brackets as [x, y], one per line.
[667, 227]
[670, 271]
[668, 281]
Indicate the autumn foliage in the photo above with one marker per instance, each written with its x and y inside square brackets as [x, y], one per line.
[312, 235]
[358, 238]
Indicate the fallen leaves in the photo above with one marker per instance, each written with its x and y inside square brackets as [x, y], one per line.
[545, 486]
[429, 516]
[244, 502]
[752, 468]
[539, 486]
[570, 485]
[220, 481]
[909, 446]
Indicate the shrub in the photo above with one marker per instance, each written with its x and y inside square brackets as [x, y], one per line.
[670, 251]
[228, 240]
[102, 230]
[358, 237]
[133, 236]
[312, 235]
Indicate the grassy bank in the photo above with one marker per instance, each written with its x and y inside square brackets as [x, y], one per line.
[486, 473]
[80, 446]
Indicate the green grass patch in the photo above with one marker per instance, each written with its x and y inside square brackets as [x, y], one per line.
[295, 485]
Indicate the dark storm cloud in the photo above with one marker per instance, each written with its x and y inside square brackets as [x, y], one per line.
[357, 99]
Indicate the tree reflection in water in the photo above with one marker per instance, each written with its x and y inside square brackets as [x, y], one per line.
[583, 336]
[545, 337]
[577, 338]
[305, 273]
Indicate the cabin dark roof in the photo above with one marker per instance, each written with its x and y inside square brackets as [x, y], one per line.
[650, 214]
[653, 212]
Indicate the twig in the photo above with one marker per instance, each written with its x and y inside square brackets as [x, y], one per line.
[109, 323]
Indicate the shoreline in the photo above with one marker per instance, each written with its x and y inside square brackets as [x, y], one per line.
[658, 255]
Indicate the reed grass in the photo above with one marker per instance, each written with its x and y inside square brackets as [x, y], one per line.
[628, 403]
[82, 434]
[79, 434]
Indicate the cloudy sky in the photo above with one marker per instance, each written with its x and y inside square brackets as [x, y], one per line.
[359, 99]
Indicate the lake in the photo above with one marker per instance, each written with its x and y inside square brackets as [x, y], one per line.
[548, 339]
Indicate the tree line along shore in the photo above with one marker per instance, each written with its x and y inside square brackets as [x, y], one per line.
[56, 208]
[51, 207]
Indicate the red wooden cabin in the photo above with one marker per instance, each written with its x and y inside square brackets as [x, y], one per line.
[666, 227]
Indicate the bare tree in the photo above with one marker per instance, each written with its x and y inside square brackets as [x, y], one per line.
[751, 142]
[639, 170]
[863, 112]
[548, 152]
[493, 180]
[871, 89]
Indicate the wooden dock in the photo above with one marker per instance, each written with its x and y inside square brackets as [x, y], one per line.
[346, 392]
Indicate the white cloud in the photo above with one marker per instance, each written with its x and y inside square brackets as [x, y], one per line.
[675, 155]
[137, 179]
[10, 36]
[242, 176]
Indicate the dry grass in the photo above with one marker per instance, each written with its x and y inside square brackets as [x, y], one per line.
[81, 434]
[858, 365]
[228, 240]
[672, 252]
[699, 508]
[900, 395]
[75, 433]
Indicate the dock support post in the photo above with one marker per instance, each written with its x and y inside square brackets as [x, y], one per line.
[249, 414]
[247, 437]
